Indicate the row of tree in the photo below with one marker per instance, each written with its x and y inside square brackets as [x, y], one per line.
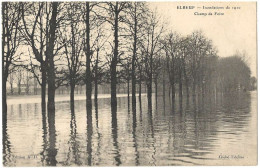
[86, 43]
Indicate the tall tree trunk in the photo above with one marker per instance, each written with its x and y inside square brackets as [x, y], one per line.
[163, 88]
[140, 90]
[156, 89]
[134, 77]
[43, 86]
[88, 60]
[50, 56]
[114, 63]
[173, 93]
[4, 80]
[133, 63]
[51, 86]
[149, 95]
[150, 83]
[128, 89]
[72, 90]
[96, 93]
[96, 81]
[4, 71]
[180, 84]
[96, 113]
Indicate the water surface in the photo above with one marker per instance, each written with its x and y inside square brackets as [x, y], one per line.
[219, 130]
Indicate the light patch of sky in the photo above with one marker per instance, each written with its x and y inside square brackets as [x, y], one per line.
[233, 32]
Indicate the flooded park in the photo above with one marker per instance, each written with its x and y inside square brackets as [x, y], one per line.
[129, 83]
[200, 132]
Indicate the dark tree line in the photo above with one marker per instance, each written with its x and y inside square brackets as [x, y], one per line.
[95, 43]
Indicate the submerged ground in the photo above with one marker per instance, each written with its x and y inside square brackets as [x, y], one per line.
[219, 130]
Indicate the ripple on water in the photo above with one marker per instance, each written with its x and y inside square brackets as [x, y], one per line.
[191, 135]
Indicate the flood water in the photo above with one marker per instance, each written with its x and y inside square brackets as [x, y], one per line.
[219, 130]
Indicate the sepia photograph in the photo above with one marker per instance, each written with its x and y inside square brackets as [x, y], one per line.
[129, 83]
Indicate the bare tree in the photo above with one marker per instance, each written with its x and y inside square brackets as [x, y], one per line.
[88, 58]
[197, 44]
[73, 47]
[50, 55]
[137, 12]
[186, 59]
[151, 47]
[11, 15]
[124, 75]
[39, 30]
[174, 62]
[157, 67]
[114, 11]
[98, 65]
[29, 34]
[140, 67]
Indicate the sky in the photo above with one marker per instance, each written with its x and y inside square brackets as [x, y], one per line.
[233, 32]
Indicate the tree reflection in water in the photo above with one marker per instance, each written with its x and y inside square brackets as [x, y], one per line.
[44, 136]
[6, 143]
[74, 144]
[89, 135]
[51, 150]
[135, 137]
[189, 134]
[115, 136]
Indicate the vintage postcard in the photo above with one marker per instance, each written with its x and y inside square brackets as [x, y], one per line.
[128, 83]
